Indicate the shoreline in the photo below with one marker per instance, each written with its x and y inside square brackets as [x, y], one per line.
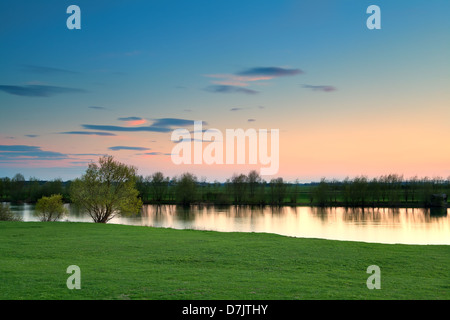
[287, 204]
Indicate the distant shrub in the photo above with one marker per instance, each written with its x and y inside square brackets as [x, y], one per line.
[6, 214]
[50, 208]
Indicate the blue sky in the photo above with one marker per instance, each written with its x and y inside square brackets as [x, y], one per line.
[309, 68]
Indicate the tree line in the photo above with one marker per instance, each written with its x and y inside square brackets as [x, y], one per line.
[251, 189]
[386, 190]
[17, 189]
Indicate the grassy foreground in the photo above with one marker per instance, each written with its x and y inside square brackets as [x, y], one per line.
[129, 262]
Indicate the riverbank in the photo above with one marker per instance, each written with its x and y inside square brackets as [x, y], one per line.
[131, 262]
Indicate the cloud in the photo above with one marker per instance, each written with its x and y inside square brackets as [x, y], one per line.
[25, 152]
[117, 148]
[80, 162]
[125, 129]
[271, 72]
[88, 154]
[236, 109]
[97, 108]
[159, 125]
[235, 80]
[129, 119]
[38, 90]
[234, 83]
[154, 153]
[320, 88]
[174, 122]
[230, 89]
[46, 70]
[31, 135]
[181, 139]
[251, 120]
[90, 133]
[133, 121]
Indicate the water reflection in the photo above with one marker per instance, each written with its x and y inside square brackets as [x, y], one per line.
[383, 225]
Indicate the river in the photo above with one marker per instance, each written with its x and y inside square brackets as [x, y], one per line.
[379, 225]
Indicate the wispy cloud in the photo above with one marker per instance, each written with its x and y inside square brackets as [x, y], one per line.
[320, 88]
[269, 72]
[38, 90]
[97, 108]
[25, 152]
[156, 154]
[236, 82]
[133, 121]
[125, 129]
[230, 89]
[159, 125]
[118, 148]
[88, 154]
[46, 70]
[31, 135]
[129, 118]
[174, 122]
[89, 133]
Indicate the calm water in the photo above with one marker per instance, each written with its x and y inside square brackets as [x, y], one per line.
[408, 226]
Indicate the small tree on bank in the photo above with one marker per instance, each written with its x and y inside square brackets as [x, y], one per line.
[6, 214]
[106, 190]
[50, 208]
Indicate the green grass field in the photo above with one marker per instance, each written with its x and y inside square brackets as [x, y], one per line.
[130, 262]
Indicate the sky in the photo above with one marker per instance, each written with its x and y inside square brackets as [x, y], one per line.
[345, 99]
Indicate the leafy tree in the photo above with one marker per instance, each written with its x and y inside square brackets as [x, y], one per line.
[321, 193]
[17, 187]
[2, 188]
[334, 186]
[293, 192]
[143, 185]
[52, 187]
[277, 190]
[159, 186]
[107, 189]
[374, 191]
[186, 189]
[238, 185]
[50, 208]
[346, 191]
[33, 190]
[253, 180]
[414, 185]
[6, 188]
[360, 187]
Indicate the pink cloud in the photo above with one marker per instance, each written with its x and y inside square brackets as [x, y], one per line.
[235, 80]
[136, 122]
